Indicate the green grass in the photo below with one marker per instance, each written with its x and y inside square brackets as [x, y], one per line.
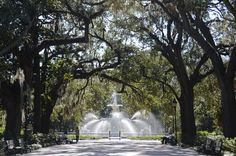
[156, 137]
[84, 137]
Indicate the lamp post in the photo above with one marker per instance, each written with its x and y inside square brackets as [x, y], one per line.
[174, 120]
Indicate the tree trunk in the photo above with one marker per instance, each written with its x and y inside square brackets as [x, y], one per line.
[13, 124]
[228, 109]
[228, 98]
[188, 127]
[10, 95]
[226, 81]
[48, 105]
[37, 96]
[45, 120]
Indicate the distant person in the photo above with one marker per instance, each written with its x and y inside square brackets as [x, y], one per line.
[77, 134]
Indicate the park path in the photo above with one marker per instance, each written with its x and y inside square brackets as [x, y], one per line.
[114, 148]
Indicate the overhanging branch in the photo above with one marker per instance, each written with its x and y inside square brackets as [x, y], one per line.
[17, 41]
[164, 83]
[134, 89]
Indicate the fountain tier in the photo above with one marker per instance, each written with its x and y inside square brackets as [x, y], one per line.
[142, 123]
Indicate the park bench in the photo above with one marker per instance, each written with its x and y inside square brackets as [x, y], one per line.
[16, 148]
[9, 147]
[24, 147]
[211, 146]
[2, 147]
[71, 141]
[62, 139]
[169, 139]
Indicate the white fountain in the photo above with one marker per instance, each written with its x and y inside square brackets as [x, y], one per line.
[142, 123]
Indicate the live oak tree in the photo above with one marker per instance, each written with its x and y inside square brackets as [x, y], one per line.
[43, 31]
[197, 22]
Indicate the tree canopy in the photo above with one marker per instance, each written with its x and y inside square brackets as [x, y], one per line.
[75, 53]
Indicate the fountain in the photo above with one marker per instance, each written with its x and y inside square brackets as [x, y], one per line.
[142, 123]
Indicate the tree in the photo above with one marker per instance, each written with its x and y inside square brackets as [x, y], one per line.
[197, 23]
[45, 30]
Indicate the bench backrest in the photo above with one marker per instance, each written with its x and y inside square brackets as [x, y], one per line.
[21, 142]
[10, 144]
[208, 144]
[218, 145]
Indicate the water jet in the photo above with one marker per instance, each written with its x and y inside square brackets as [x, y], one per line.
[142, 123]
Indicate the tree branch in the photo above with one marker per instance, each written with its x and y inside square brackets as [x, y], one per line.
[196, 76]
[83, 74]
[55, 42]
[230, 8]
[102, 39]
[17, 41]
[93, 4]
[164, 83]
[134, 89]
[169, 32]
[232, 65]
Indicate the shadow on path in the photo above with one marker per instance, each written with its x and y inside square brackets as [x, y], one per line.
[114, 148]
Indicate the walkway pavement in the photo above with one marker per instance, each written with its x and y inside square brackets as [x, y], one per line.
[114, 148]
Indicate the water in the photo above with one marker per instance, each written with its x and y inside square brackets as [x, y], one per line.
[142, 123]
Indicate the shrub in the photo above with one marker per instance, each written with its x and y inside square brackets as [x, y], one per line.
[44, 139]
[230, 145]
[202, 133]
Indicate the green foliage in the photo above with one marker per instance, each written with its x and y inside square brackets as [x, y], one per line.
[203, 133]
[2, 121]
[207, 109]
[75, 101]
[44, 139]
[230, 145]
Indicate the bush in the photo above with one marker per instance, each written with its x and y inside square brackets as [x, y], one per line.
[44, 139]
[36, 146]
[36, 138]
[203, 133]
[230, 145]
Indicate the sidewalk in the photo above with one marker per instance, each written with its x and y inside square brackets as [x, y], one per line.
[114, 148]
